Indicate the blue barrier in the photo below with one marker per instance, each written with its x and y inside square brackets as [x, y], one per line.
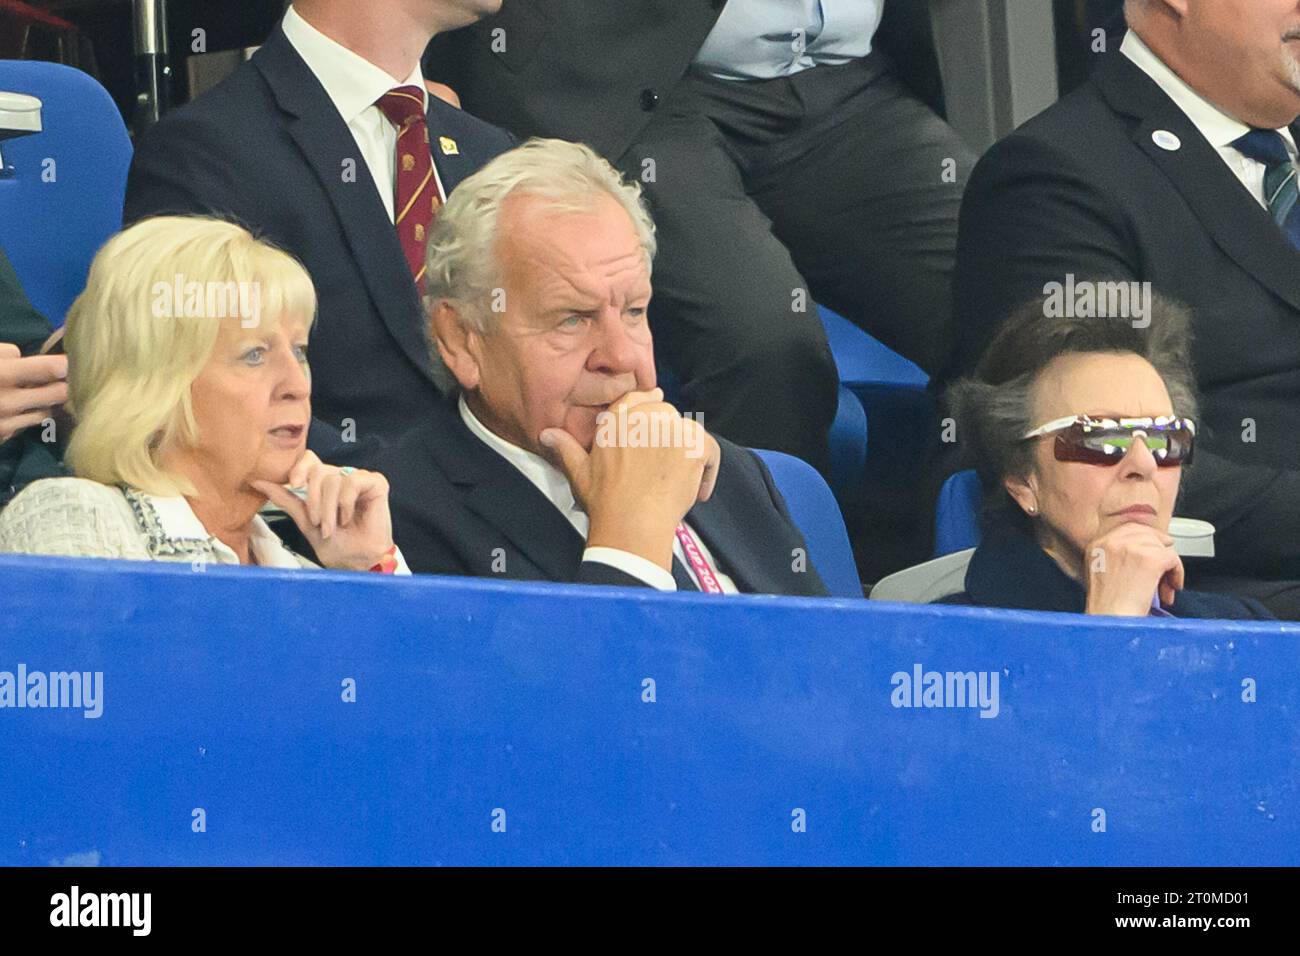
[481, 703]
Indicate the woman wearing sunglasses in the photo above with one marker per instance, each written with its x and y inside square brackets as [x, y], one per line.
[1080, 429]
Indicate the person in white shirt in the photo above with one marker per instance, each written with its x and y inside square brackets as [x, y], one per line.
[191, 394]
[1172, 171]
[355, 74]
[559, 459]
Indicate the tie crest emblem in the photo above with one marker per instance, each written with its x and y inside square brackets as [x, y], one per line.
[416, 201]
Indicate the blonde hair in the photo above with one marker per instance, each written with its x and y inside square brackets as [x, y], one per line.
[144, 327]
[461, 256]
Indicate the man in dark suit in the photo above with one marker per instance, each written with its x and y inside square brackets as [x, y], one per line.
[558, 458]
[1173, 165]
[328, 142]
[784, 163]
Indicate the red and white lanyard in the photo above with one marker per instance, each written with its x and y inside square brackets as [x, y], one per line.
[708, 581]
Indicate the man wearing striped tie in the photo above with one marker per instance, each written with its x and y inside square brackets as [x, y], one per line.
[560, 460]
[1175, 165]
[329, 142]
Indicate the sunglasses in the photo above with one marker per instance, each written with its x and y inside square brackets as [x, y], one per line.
[1105, 441]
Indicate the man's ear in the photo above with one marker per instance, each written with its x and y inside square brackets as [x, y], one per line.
[457, 344]
[1134, 9]
[1024, 492]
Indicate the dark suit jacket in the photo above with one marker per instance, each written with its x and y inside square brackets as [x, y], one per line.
[268, 148]
[596, 70]
[1084, 189]
[1010, 570]
[460, 508]
[586, 70]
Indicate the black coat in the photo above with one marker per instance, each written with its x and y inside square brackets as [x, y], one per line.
[1010, 570]
[460, 508]
[1083, 188]
[593, 71]
[267, 148]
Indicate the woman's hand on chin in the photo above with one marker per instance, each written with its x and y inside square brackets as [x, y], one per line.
[1127, 566]
[344, 515]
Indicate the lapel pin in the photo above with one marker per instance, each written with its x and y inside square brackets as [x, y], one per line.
[1166, 140]
[448, 146]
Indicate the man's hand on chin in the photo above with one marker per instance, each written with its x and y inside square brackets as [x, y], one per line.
[637, 484]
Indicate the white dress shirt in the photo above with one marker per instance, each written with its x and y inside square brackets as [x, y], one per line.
[550, 481]
[354, 85]
[1218, 128]
[765, 39]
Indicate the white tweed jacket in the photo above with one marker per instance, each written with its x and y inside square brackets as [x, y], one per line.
[75, 517]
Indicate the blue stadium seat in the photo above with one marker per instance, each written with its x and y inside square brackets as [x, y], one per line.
[848, 441]
[894, 396]
[63, 197]
[848, 433]
[956, 518]
[813, 508]
[863, 361]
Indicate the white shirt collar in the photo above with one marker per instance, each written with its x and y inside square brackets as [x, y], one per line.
[548, 479]
[171, 521]
[352, 82]
[1216, 126]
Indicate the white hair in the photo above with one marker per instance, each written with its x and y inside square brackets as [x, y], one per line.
[461, 256]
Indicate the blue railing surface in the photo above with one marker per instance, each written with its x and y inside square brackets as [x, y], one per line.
[250, 716]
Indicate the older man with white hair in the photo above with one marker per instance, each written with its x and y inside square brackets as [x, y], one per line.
[1173, 170]
[556, 457]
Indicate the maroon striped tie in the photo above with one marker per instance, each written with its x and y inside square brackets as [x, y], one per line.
[416, 189]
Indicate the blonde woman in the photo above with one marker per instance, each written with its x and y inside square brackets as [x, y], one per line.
[189, 385]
